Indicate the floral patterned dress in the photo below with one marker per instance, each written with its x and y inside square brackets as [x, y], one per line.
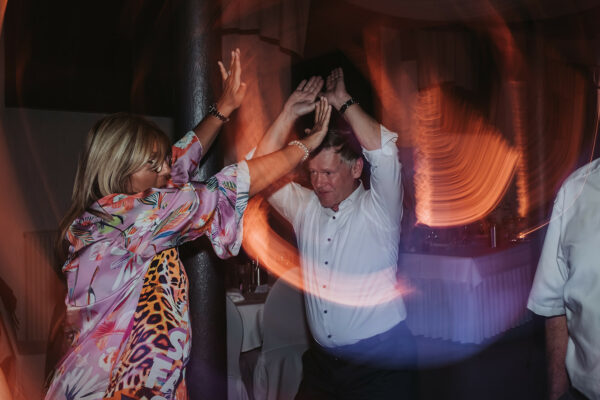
[127, 317]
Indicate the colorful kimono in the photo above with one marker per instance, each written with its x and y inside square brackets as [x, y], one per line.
[127, 315]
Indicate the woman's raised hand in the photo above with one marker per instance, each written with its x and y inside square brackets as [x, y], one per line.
[234, 89]
[268, 168]
[316, 135]
[302, 100]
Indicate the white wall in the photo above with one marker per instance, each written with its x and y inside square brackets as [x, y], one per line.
[38, 157]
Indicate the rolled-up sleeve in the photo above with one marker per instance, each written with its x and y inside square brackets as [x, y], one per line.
[290, 200]
[547, 293]
[386, 180]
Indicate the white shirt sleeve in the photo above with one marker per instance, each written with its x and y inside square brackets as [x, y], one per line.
[291, 200]
[386, 181]
[546, 297]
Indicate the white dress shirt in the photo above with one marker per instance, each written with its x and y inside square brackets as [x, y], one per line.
[349, 257]
[567, 280]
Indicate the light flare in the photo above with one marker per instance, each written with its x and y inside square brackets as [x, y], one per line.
[533, 229]
[278, 256]
[463, 165]
[3, 4]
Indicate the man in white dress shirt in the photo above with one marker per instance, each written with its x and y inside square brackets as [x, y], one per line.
[566, 288]
[348, 240]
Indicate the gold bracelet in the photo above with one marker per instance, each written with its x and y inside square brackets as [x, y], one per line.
[302, 146]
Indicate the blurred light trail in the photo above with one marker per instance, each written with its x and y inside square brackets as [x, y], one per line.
[263, 243]
[3, 4]
[278, 256]
[463, 165]
[531, 230]
[547, 101]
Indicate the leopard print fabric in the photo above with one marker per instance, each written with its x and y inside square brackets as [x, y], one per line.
[152, 362]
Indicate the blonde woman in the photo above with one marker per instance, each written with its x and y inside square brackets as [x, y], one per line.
[135, 200]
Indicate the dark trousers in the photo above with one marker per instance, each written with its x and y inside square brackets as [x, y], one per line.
[380, 367]
[572, 394]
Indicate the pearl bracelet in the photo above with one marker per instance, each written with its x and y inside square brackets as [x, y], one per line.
[302, 146]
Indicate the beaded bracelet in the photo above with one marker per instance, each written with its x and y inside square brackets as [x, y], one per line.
[302, 146]
[212, 110]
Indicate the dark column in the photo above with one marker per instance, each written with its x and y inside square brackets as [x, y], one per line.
[198, 52]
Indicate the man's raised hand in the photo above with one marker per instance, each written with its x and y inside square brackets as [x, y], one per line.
[335, 88]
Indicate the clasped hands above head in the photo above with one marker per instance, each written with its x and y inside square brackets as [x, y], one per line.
[303, 100]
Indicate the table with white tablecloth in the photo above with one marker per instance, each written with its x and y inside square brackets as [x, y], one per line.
[467, 298]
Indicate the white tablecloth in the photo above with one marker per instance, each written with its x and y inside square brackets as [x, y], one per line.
[252, 324]
[467, 299]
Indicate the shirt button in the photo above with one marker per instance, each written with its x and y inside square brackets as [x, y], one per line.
[326, 262]
[329, 336]
[325, 311]
[329, 239]
[334, 217]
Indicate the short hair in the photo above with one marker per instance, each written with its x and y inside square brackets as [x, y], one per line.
[343, 142]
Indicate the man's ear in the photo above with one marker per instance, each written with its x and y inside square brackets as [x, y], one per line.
[357, 168]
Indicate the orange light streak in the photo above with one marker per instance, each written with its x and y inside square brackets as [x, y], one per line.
[278, 256]
[3, 4]
[264, 97]
[512, 67]
[557, 111]
[531, 230]
[17, 219]
[463, 165]
[262, 243]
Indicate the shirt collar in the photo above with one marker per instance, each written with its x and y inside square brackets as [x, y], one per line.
[347, 202]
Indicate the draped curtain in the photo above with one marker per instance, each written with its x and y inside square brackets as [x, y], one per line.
[462, 10]
[526, 85]
[270, 34]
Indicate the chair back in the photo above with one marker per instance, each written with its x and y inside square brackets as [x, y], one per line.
[286, 337]
[236, 390]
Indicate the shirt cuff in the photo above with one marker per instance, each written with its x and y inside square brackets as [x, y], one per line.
[388, 145]
[545, 311]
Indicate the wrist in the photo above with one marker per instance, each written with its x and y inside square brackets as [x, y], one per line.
[287, 116]
[339, 101]
[349, 103]
[309, 142]
[224, 108]
[303, 147]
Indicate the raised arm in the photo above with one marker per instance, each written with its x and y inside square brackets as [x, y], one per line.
[234, 91]
[300, 102]
[269, 168]
[367, 130]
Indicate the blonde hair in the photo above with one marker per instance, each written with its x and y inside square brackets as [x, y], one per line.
[117, 146]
